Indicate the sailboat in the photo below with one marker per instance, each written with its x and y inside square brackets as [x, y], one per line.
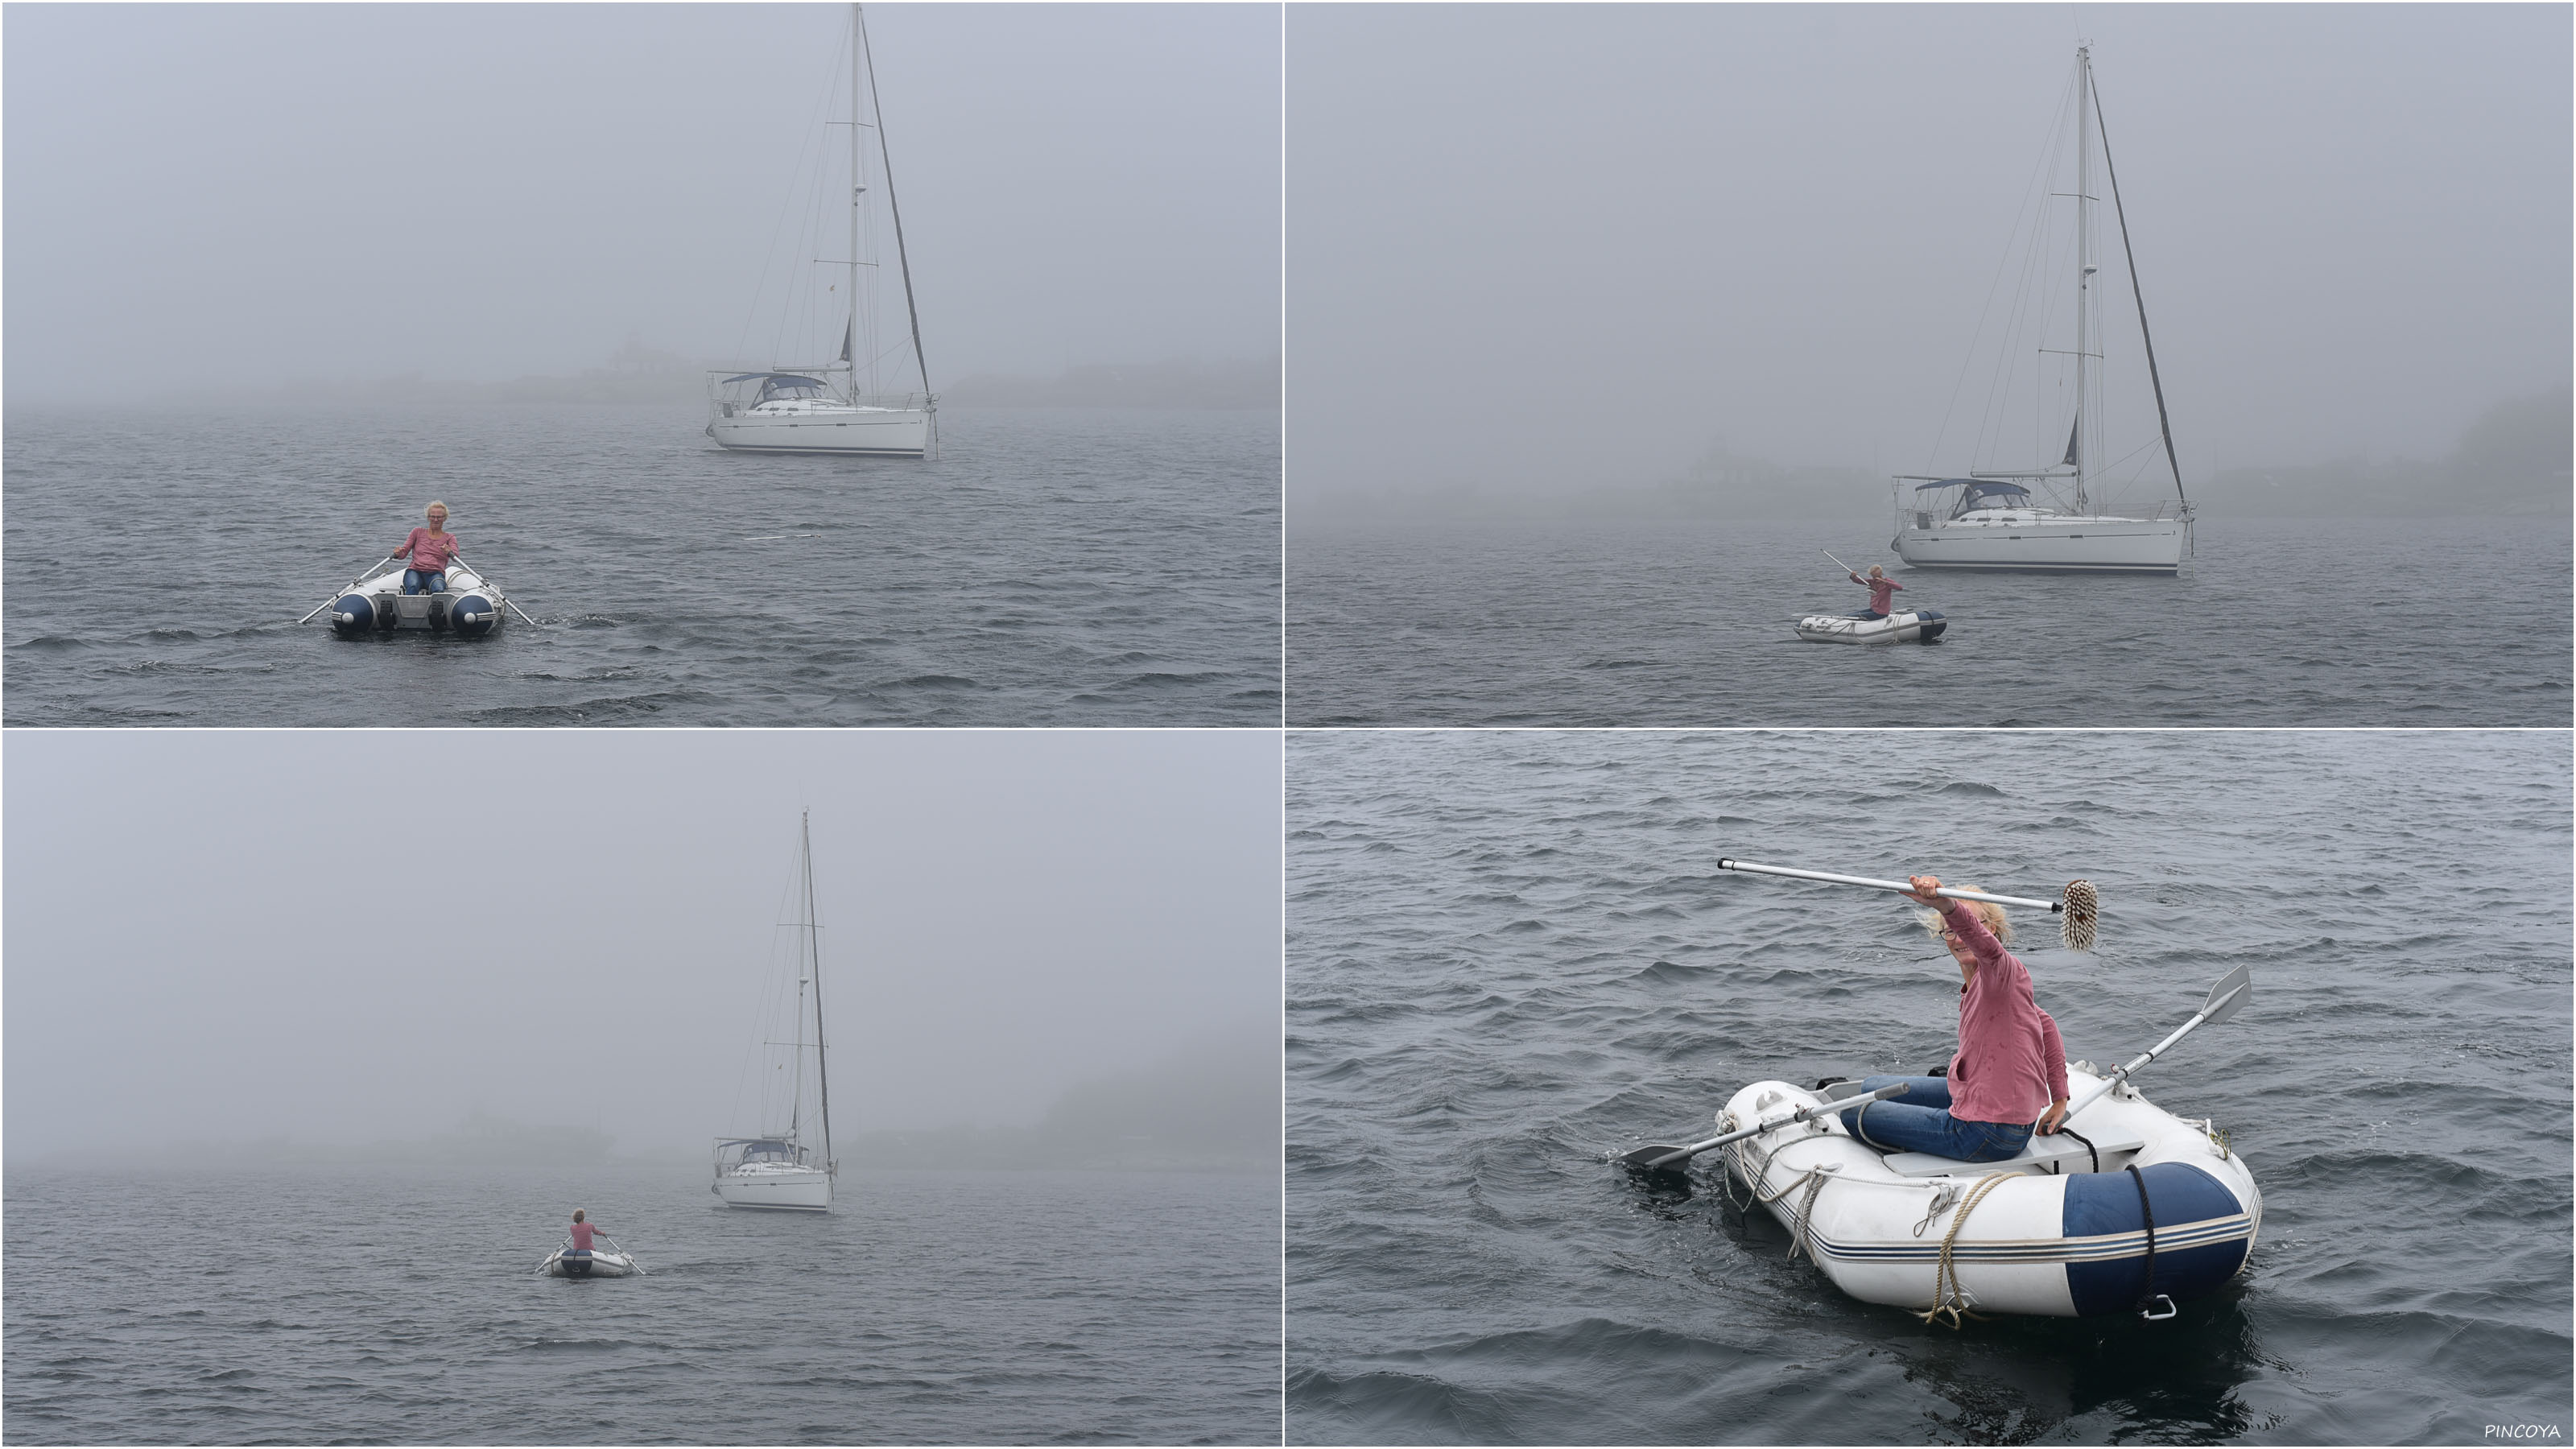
[839, 407]
[778, 1169]
[2052, 517]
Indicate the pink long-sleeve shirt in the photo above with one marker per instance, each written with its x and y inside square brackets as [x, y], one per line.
[429, 555]
[2011, 1064]
[1883, 592]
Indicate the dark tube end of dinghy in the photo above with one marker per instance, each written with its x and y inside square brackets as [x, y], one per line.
[353, 616]
[472, 616]
[1933, 625]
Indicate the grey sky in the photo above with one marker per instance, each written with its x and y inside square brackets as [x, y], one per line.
[1562, 247]
[349, 936]
[483, 191]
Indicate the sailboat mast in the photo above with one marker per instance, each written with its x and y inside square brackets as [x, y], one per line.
[850, 334]
[885, 154]
[2083, 443]
[2164, 420]
[796, 1113]
[822, 1059]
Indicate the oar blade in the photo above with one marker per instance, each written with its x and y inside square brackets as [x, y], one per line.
[1649, 1158]
[2229, 996]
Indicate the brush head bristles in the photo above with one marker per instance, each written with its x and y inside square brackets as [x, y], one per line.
[2083, 911]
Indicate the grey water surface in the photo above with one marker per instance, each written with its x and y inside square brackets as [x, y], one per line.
[1051, 567]
[1511, 956]
[298, 1303]
[2304, 622]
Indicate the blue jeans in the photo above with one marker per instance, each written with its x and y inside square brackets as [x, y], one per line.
[432, 582]
[1869, 614]
[1920, 1121]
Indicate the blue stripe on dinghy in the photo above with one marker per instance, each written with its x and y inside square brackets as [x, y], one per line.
[2187, 1265]
[2234, 1228]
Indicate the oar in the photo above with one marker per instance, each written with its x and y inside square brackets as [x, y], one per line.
[620, 1249]
[1846, 568]
[2081, 907]
[2232, 991]
[344, 588]
[507, 604]
[1653, 1156]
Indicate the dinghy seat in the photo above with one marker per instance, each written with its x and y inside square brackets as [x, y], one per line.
[2044, 1155]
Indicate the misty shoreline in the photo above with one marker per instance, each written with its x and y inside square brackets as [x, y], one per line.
[2512, 462]
[1212, 1105]
[641, 376]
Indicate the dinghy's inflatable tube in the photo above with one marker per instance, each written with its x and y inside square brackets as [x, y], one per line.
[355, 614]
[2064, 1230]
[1906, 626]
[471, 615]
[599, 1264]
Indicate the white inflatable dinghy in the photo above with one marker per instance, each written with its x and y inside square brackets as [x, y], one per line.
[469, 607]
[1905, 626]
[597, 1263]
[2130, 1209]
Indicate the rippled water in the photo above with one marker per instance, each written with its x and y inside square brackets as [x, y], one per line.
[307, 1305]
[1510, 954]
[1057, 567]
[2278, 622]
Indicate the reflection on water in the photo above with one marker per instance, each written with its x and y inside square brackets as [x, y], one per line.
[2013, 1381]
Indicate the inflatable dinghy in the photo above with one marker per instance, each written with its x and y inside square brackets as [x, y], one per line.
[2131, 1209]
[1905, 626]
[469, 607]
[598, 1263]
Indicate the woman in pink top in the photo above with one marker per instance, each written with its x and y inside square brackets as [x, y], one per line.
[430, 550]
[1882, 592]
[2010, 1070]
[581, 1233]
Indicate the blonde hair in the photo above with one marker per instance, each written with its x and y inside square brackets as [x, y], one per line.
[440, 505]
[1992, 914]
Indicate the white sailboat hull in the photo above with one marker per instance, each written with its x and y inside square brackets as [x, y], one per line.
[807, 1190]
[878, 432]
[2057, 545]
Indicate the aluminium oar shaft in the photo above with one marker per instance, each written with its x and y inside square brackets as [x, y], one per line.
[1660, 1156]
[1905, 887]
[344, 588]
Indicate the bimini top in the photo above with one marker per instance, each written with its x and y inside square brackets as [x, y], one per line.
[1980, 490]
[780, 384]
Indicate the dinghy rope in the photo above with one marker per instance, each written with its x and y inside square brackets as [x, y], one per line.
[2065, 1131]
[2147, 1294]
[1947, 1299]
[1801, 1237]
